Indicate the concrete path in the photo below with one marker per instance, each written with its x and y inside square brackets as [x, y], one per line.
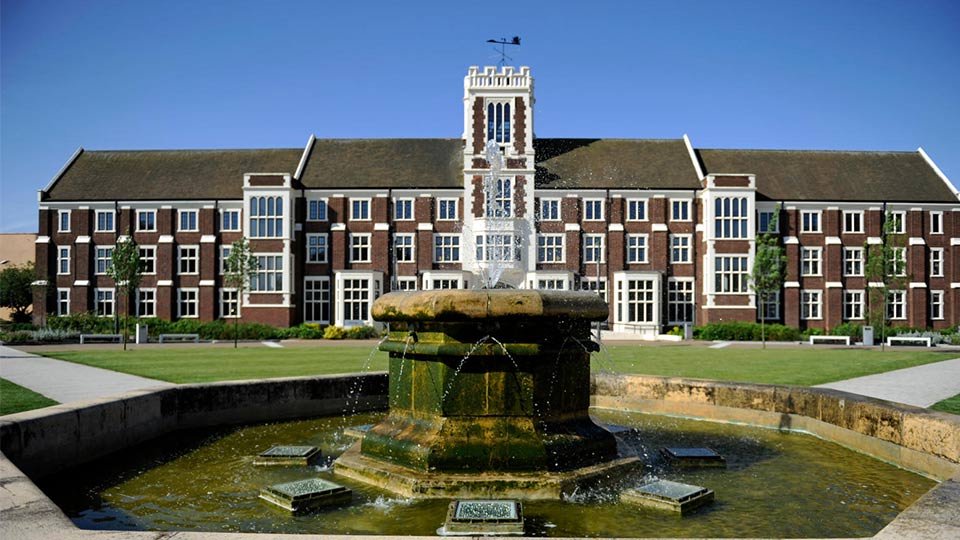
[65, 381]
[921, 386]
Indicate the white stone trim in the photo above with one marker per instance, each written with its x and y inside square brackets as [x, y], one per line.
[82, 240]
[700, 228]
[40, 283]
[955, 285]
[303, 157]
[918, 285]
[955, 241]
[693, 157]
[571, 227]
[42, 240]
[834, 285]
[875, 284]
[937, 170]
[615, 227]
[81, 283]
[659, 227]
[917, 241]
[381, 226]
[334, 227]
[165, 283]
[791, 284]
[424, 226]
[790, 240]
[833, 241]
[207, 283]
[165, 239]
[874, 240]
[208, 239]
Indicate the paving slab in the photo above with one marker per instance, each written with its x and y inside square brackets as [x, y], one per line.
[921, 386]
[65, 381]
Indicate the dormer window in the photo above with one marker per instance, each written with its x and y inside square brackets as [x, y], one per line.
[498, 122]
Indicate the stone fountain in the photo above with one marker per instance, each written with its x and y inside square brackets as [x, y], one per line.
[489, 396]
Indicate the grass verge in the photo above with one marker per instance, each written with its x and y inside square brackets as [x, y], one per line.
[801, 366]
[950, 405]
[15, 398]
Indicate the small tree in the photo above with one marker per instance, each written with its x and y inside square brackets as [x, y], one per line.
[884, 269]
[239, 267]
[769, 270]
[126, 271]
[15, 291]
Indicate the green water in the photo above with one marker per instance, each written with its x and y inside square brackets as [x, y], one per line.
[776, 485]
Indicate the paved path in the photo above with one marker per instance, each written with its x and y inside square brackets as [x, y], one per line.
[65, 381]
[921, 386]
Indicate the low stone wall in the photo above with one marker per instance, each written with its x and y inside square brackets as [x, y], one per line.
[49, 440]
[919, 439]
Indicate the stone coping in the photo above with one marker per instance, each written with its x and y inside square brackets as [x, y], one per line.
[471, 305]
[52, 439]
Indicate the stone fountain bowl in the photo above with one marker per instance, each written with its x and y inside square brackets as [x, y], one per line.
[470, 305]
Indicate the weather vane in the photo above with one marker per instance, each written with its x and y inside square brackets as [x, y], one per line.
[503, 42]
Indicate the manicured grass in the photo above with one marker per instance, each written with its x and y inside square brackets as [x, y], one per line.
[801, 366]
[950, 405]
[15, 398]
[183, 365]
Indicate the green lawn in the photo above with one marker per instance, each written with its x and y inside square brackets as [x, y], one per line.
[15, 398]
[950, 405]
[802, 366]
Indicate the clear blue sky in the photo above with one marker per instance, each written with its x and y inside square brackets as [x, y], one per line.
[861, 75]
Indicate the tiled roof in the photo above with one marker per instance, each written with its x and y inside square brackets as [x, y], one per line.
[384, 163]
[808, 175]
[167, 174]
[614, 163]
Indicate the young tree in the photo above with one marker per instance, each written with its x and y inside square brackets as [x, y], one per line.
[15, 291]
[239, 267]
[885, 270]
[769, 270]
[126, 272]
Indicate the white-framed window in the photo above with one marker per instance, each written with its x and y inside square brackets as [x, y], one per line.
[230, 303]
[550, 248]
[402, 209]
[148, 260]
[498, 121]
[224, 255]
[103, 302]
[146, 302]
[446, 209]
[680, 210]
[680, 302]
[810, 258]
[898, 261]
[403, 247]
[936, 305]
[187, 303]
[636, 209]
[770, 306]
[269, 274]
[104, 259]
[187, 220]
[853, 221]
[549, 209]
[680, 248]
[146, 220]
[731, 274]
[63, 260]
[638, 303]
[595, 284]
[936, 222]
[266, 217]
[104, 221]
[853, 261]
[229, 220]
[316, 299]
[636, 248]
[360, 209]
[896, 305]
[551, 284]
[810, 221]
[360, 247]
[593, 251]
[316, 248]
[63, 301]
[188, 260]
[899, 220]
[730, 217]
[444, 283]
[446, 248]
[63, 221]
[811, 304]
[852, 305]
[500, 201]
[404, 283]
[316, 210]
[936, 262]
[497, 247]
[768, 222]
[593, 210]
[356, 300]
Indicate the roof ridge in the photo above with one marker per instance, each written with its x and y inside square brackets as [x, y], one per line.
[810, 151]
[163, 150]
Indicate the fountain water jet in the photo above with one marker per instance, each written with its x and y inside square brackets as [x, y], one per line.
[485, 399]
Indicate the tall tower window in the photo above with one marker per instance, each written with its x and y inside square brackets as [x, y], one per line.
[498, 122]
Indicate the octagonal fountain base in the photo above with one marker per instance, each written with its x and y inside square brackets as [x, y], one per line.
[418, 484]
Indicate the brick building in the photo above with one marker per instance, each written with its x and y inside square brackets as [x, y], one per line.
[664, 231]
